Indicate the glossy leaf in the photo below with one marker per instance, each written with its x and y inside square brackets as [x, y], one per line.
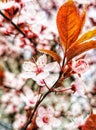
[88, 35]
[80, 48]
[52, 54]
[69, 23]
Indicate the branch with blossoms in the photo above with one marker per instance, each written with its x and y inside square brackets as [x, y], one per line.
[69, 23]
[50, 69]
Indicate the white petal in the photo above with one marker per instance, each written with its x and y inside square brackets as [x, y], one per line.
[47, 127]
[41, 111]
[39, 122]
[51, 79]
[29, 66]
[54, 67]
[28, 75]
[50, 110]
[42, 60]
[42, 75]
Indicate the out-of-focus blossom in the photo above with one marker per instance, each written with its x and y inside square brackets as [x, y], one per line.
[43, 73]
[11, 102]
[29, 97]
[46, 119]
[13, 81]
[20, 120]
[77, 123]
[43, 44]
[79, 87]
[80, 66]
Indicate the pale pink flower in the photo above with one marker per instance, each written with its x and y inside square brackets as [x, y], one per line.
[11, 108]
[19, 122]
[46, 119]
[29, 97]
[41, 72]
[78, 86]
[80, 66]
[13, 81]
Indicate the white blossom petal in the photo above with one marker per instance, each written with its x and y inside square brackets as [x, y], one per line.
[41, 111]
[54, 67]
[28, 75]
[47, 127]
[39, 122]
[51, 79]
[42, 60]
[29, 66]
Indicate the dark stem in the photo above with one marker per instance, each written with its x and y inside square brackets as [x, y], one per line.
[36, 106]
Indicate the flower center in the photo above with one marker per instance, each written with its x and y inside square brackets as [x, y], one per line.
[45, 119]
[39, 70]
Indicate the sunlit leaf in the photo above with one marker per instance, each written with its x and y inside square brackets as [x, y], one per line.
[88, 35]
[80, 48]
[69, 23]
[52, 54]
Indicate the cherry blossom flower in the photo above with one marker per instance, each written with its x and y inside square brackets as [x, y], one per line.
[29, 97]
[80, 66]
[46, 119]
[13, 81]
[11, 102]
[79, 87]
[41, 72]
[19, 122]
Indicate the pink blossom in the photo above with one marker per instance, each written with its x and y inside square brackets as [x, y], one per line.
[79, 87]
[13, 81]
[41, 71]
[29, 97]
[19, 122]
[80, 66]
[46, 119]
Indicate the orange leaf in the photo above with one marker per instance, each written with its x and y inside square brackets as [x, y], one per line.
[51, 53]
[69, 23]
[80, 48]
[88, 35]
[90, 123]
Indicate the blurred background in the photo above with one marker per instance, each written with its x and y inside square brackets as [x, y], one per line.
[25, 26]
